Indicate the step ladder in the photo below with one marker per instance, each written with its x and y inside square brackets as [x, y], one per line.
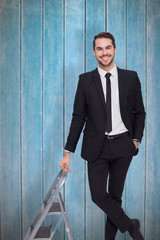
[53, 204]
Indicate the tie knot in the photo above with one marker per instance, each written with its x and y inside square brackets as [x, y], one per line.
[108, 75]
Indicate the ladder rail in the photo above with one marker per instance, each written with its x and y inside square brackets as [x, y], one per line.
[64, 215]
[62, 175]
[46, 205]
[40, 220]
[42, 207]
[55, 228]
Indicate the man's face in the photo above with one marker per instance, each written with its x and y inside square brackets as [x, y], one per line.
[104, 52]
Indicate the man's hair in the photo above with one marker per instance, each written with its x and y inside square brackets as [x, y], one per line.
[104, 35]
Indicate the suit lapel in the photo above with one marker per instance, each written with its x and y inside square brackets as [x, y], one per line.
[98, 84]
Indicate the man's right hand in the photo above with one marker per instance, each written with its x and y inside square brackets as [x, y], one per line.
[65, 162]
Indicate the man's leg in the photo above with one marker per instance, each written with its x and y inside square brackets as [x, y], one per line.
[118, 171]
[98, 173]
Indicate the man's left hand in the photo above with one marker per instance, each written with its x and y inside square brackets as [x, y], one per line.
[136, 143]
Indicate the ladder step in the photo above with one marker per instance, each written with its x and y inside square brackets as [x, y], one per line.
[36, 230]
[55, 208]
[43, 233]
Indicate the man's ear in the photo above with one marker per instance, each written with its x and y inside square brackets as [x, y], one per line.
[115, 50]
[94, 52]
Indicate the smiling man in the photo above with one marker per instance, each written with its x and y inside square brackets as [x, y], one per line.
[109, 105]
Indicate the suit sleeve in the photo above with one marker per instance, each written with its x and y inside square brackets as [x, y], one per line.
[78, 118]
[138, 113]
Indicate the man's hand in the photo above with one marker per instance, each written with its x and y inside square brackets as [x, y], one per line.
[65, 162]
[136, 143]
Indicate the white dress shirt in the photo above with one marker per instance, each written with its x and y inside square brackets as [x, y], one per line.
[117, 124]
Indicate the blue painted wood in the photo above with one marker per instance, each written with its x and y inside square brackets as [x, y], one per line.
[52, 93]
[74, 62]
[152, 216]
[10, 177]
[95, 23]
[31, 103]
[136, 60]
[116, 24]
[29, 122]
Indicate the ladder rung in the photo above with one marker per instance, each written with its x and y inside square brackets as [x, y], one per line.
[55, 208]
[43, 233]
[36, 230]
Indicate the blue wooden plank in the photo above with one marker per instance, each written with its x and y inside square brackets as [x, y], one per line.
[95, 23]
[31, 109]
[152, 224]
[116, 24]
[136, 60]
[42, 103]
[10, 177]
[74, 61]
[53, 88]
[52, 93]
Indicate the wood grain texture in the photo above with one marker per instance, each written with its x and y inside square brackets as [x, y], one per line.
[44, 46]
[52, 93]
[10, 176]
[116, 24]
[31, 104]
[74, 60]
[152, 214]
[136, 60]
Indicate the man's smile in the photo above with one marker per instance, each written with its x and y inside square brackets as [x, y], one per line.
[105, 58]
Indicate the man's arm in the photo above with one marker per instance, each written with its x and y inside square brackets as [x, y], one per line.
[139, 113]
[77, 123]
[78, 118]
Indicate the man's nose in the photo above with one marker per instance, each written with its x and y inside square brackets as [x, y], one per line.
[104, 52]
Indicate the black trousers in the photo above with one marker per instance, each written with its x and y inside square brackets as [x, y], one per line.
[112, 165]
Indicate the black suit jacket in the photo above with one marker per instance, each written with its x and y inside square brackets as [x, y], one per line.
[90, 111]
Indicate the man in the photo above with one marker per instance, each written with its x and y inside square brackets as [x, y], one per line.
[109, 104]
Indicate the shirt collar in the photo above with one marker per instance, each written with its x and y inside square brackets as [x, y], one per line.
[113, 71]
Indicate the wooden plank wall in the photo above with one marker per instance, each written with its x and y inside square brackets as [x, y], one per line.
[44, 46]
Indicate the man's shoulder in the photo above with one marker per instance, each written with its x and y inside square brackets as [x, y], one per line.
[128, 75]
[86, 79]
[88, 75]
[127, 71]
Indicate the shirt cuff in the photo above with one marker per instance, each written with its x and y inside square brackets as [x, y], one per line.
[136, 140]
[66, 150]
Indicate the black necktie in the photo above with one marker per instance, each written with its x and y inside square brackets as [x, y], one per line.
[108, 103]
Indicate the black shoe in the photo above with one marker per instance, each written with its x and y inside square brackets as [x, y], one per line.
[136, 233]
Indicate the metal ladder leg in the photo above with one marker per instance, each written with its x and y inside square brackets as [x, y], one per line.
[53, 204]
[64, 215]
